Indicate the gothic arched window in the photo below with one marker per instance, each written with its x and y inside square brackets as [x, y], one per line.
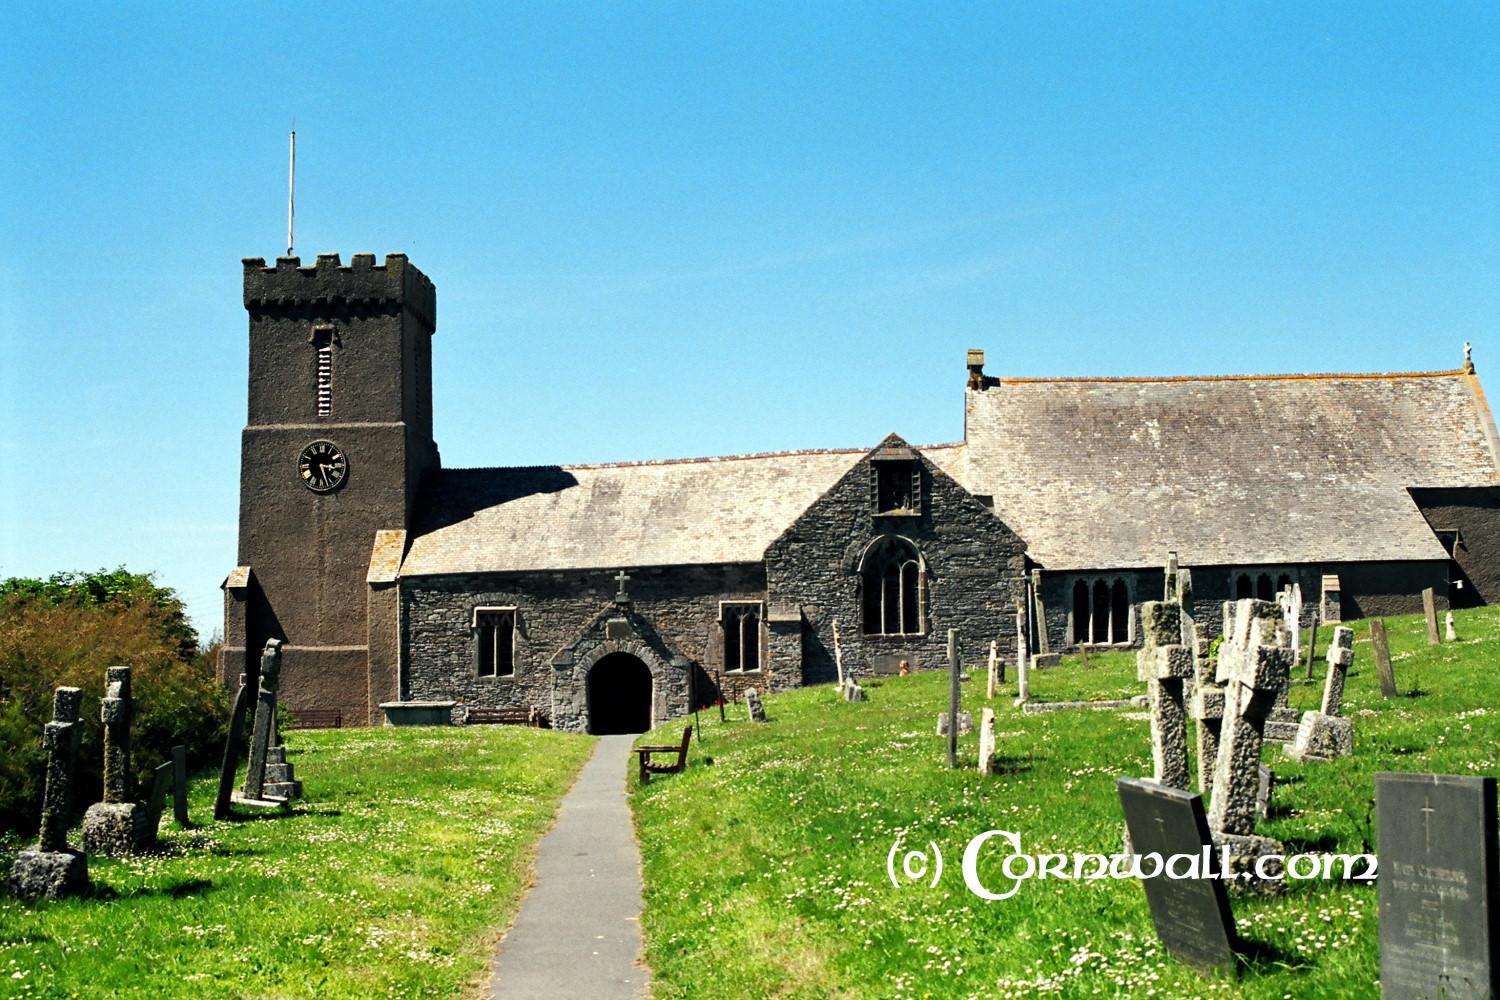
[893, 579]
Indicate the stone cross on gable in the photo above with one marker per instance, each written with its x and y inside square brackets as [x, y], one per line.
[1254, 663]
[622, 578]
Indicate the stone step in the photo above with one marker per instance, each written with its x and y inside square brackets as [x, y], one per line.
[283, 790]
[280, 772]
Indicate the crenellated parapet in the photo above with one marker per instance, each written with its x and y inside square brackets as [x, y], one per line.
[330, 286]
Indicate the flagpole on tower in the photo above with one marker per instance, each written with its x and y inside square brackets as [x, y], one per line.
[291, 192]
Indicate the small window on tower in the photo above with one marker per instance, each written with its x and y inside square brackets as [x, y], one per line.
[898, 487]
[495, 642]
[322, 341]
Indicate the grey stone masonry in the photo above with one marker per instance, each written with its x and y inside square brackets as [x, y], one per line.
[1254, 662]
[1163, 662]
[52, 870]
[263, 735]
[116, 826]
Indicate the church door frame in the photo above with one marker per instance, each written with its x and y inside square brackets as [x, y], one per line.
[654, 666]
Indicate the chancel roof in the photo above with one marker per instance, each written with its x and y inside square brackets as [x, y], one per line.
[1114, 473]
[714, 510]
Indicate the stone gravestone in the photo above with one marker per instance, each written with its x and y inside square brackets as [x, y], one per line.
[1191, 915]
[1450, 634]
[1163, 662]
[1439, 887]
[987, 741]
[269, 777]
[52, 870]
[1324, 734]
[171, 775]
[853, 692]
[1383, 658]
[752, 702]
[1207, 704]
[965, 724]
[994, 670]
[1330, 608]
[1254, 662]
[1263, 792]
[1429, 610]
[1023, 659]
[116, 826]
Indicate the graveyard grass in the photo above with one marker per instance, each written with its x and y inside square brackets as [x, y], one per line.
[394, 878]
[766, 869]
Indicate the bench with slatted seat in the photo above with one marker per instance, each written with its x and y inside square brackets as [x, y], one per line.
[501, 717]
[316, 718]
[648, 767]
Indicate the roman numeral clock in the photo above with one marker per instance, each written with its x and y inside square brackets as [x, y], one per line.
[322, 467]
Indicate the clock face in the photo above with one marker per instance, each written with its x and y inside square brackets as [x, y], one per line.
[322, 467]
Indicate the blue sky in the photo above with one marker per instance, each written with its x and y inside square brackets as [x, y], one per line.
[663, 230]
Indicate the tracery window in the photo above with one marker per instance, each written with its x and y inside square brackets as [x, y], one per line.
[893, 579]
[741, 625]
[1101, 612]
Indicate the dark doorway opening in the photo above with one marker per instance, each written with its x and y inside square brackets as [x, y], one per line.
[619, 695]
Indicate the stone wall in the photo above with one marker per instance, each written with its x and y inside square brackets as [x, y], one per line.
[1475, 515]
[676, 608]
[975, 569]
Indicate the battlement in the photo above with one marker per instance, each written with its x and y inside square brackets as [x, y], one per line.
[329, 282]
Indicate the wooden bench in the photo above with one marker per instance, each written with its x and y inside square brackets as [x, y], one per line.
[501, 717]
[648, 768]
[316, 718]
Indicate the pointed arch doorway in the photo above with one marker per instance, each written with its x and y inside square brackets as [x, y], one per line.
[619, 695]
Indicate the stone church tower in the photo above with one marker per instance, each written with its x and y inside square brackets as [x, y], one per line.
[338, 440]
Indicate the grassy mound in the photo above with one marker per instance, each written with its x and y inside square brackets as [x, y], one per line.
[766, 869]
[393, 879]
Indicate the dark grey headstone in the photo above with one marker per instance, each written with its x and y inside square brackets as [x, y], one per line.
[1192, 916]
[1383, 658]
[1438, 888]
[1429, 610]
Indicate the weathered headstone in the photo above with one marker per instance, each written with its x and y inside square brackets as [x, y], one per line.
[264, 733]
[1023, 659]
[1263, 792]
[1312, 643]
[117, 826]
[1438, 886]
[752, 703]
[1254, 661]
[1191, 915]
[1450, 634]
[1383, 658]
[953, 696]
[1039, 614]
[965, 724]
[170, 775]
[1206, 707]
[1429, 611]
[853, 692]
[1163, 662]
[52, 870]
[1324, 734]
[838, 651]
[994, 670]
[987, 741]
[1290, 600]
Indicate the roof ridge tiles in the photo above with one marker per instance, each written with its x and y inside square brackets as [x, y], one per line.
[1291, 376]
[707, 459]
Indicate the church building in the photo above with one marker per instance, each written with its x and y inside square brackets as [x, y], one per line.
[610, 598]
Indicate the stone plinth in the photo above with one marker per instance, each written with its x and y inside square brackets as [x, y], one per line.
[49, 874]
[418, 713]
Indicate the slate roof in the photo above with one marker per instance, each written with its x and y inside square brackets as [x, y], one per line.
[712, 510]
[1242, 470]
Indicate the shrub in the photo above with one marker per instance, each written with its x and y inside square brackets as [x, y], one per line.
[64, 632]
